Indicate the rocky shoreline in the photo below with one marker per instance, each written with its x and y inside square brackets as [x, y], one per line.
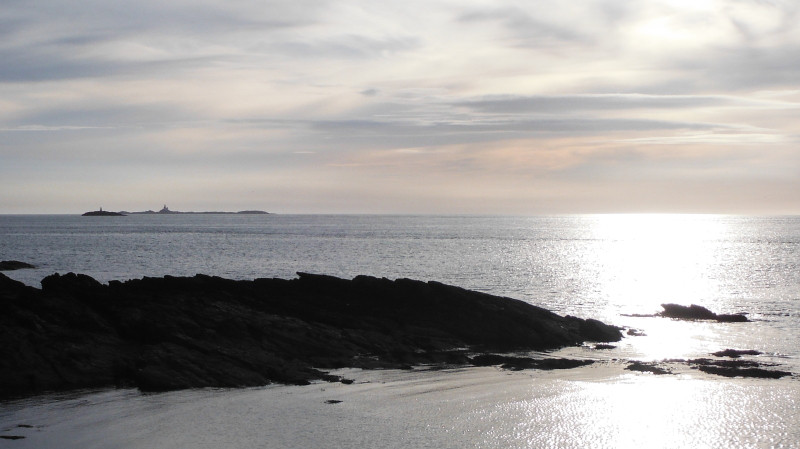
[170, 333]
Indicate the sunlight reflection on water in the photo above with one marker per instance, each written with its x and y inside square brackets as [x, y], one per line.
[646, 260]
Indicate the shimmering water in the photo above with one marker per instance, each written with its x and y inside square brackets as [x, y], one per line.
[592, 266]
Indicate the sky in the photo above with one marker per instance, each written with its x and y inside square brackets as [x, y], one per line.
[452, 107]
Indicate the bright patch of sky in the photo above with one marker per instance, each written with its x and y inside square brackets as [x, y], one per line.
[313, 106]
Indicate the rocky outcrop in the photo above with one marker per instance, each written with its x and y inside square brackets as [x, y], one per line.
[183, 332]
[695, 312]
[651, 367]
[103, 213]
[9, 265]
[735, 353]
[738, 368]
[521, 363]
[725, 368]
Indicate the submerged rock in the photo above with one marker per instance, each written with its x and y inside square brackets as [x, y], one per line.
[172, 333]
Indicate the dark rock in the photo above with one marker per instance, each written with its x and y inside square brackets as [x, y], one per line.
[724, 363]
[602, 346]
[102, 213]
[10, 285]
[333, 401]
[520, 363]
[691, 312]
[12, 437]
[735, 353]
[595, 330]
[9, 265]
[171, 333]
[70, 283]
[646, 367]
[695, 312]
[759, 373]
[737, 368]
[490, 359]
[551, 364]
[735, 318]
[726, 368]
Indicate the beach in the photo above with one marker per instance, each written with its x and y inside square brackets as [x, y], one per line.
[601, 406]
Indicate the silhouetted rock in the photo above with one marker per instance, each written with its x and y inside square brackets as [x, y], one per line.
[646, 367]
[166, 210]
[70, 283]
[171, 333]
[520, 363]
[735, 353]
[736, 367]
[695, 312]
[10, 265]
[759, 373]
[103, 213]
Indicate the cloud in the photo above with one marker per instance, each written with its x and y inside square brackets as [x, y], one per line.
[716, 139]
[325, 96]
[47, 40]
[524, 29]
[343, 46]
[592, 102]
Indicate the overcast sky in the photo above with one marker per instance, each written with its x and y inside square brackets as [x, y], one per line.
[314, 106]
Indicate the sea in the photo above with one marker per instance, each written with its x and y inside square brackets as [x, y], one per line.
[616, 268]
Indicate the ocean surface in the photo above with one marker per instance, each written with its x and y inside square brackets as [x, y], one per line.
[596, 266]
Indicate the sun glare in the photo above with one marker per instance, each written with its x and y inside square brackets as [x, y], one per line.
[646, 260]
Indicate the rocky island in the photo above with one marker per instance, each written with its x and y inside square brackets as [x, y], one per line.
[103, 213]
[171, 333]
[165, 210]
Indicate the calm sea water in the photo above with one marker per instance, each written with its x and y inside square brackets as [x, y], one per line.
[604, 266]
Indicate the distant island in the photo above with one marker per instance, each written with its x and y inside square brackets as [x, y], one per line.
[165, 210]
[103, 213]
